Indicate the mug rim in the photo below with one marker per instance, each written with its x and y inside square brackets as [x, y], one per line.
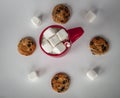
[40, 41]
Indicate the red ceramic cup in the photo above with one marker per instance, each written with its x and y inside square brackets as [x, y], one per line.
[73, 35]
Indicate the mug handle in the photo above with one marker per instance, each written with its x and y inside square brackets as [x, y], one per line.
[75, 33]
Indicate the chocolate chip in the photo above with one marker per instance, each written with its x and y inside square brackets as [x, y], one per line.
[58, 11]
[61, 8]
[66, 16]
[91, 43]
[106, 42]
[104, 48]
[56, 78]
[58, 85]
[30, 49]
[62, 89]
[97, 38]
[94, 48]
[63, 14]
[66, 10]
[59, 91]
[28, 45]
[20, 40]
[52, 84]
[93, 53]
[62, 21]
[64, 81]
[65, 7]
[32, 42]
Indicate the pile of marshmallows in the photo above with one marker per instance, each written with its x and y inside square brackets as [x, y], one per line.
[54, 40]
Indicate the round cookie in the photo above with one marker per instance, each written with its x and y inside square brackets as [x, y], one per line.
[98, 45]
[61, 13]
[60, 82]
[26, 46]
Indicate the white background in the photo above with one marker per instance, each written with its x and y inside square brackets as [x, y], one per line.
[15, 24]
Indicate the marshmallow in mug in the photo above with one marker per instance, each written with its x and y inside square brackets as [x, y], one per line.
[50, 32]
[52, 42]
[46, 46]
[59, 48]
[62, 34]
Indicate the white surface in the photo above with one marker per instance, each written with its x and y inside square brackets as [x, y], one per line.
[91, 74]
[90, 16]
[15, 23]
[36, 21]
[62, 34]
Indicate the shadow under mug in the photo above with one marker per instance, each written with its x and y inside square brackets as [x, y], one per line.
[73, 35]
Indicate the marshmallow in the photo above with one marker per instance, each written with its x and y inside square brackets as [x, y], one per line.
[46, 46]
[59, 48]
[49, 33]
[91, 74]
[36, 21]
[90, 16]
[62, 34]
[54, 40]
[32, 76]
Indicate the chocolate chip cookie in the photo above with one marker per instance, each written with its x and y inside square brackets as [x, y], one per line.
[60, 82]
[61, 13]
[98, 45]
[26, 46]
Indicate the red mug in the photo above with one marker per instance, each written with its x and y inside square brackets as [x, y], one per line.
[73, 35]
